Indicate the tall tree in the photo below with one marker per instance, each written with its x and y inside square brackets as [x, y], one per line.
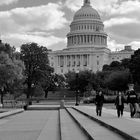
[135, 66]
[36, 62]
[10, 70]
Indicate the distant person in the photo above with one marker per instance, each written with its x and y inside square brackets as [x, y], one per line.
[132, 99]
[119, 102]
[99, 100]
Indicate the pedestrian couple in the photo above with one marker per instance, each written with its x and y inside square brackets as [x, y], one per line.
[132, 100]
[119, 102]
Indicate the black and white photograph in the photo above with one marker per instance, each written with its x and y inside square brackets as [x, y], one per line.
[69, 69]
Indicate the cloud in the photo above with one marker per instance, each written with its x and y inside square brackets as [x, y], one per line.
[47, 17]
[33, 24]
[114, 46]
[125, 7]
[7, 2]
[73, 5]
[120, 21]
[19, 39]
[135, 44]
[102, 5]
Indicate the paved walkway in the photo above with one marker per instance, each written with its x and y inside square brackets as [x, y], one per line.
[44, 124]
[126, 124]
[30, 125]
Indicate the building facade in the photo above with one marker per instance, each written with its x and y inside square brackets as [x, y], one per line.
[86, 44]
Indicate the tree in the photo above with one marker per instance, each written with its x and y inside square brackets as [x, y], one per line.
[101, 78]
[118, 80]
[10, 70]
[114, 66]
[37, 67]
[135, 66]
[79, 81]
[53, 82]
[125, 63]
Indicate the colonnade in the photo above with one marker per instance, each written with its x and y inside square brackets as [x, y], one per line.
[73, 60]
[87, 39]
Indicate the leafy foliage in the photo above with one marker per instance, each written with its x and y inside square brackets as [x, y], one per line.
[36, 62]
[135, 66]
[118, 80]
[11, 70]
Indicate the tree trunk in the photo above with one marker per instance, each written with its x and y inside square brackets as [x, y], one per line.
[46, 93]
[2, 98]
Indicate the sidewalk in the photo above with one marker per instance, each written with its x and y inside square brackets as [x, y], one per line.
[10, 112]
[127, 125]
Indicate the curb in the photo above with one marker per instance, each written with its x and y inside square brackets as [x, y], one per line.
[60, 130]
[10, 113]
[123, 134]
[81, 127]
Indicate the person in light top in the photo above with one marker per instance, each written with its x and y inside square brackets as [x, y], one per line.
[132, 100]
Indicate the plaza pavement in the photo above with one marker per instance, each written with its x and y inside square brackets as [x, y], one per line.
[126, 125]
[44, 124]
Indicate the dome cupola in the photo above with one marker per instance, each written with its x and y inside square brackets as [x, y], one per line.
[86, 29]
[86, 12]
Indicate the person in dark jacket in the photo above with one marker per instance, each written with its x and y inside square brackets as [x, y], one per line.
[119, 102]
[132, 99]
[99, 100]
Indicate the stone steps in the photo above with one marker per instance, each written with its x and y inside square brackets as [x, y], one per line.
[69, 129]
[126, 127]
[92, 129]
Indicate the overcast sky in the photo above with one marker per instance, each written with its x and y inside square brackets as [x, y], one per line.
[46, 22]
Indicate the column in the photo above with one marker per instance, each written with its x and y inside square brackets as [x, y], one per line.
[82, 39]
[79, 39]
[81, 60]
[95, 39]
[87, 39]
[70, 40]
[75, 39]
[88, 59]
[90, 39]
[100, 39]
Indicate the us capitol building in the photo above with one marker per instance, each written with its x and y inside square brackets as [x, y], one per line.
[86, 44]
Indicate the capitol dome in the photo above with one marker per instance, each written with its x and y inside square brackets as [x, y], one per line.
[86, 29]
[86, 12]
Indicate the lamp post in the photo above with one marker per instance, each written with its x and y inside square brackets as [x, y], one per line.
[2, 89]
[76, 104]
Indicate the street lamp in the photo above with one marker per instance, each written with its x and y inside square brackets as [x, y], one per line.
[77, 72]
